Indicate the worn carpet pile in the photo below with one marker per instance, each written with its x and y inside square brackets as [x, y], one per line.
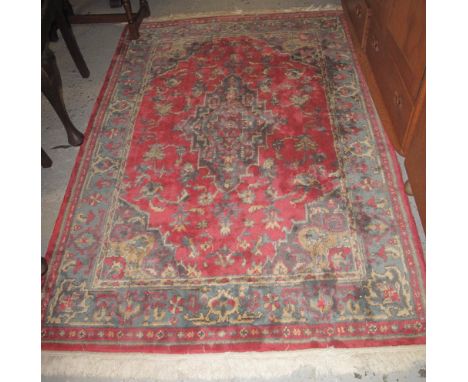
[235, 192]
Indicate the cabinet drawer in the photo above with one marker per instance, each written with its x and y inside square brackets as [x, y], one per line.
[379, 8]
[358, 14]
[394, 92]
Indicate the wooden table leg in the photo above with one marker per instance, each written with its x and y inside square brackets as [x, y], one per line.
[46, 162]
[71, 43]
[132, 28]
[133, 20]
[144, 9]
[52, 89]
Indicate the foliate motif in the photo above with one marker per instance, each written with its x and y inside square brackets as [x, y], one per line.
[229, 175]
[235, 193]
[227, 132]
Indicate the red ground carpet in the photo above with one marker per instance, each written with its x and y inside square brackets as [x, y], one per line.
[235, 192]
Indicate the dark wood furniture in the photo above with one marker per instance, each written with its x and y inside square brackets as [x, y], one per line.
[390, 39]
[46, 162]
[53, 17]
[51, 82]
[133, 19]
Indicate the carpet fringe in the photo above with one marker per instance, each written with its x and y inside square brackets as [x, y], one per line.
[181, 16]
[215, 366]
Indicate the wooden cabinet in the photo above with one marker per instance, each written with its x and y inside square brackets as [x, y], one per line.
[358, 12]
[393, 89]
[390, 36]
[406, 40]
[379, 8]
[415, 163]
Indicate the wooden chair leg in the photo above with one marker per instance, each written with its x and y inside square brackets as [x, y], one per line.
[70, 41]
[133, 30]
[67, 8]
[145, 8]
[46, 162]
[53, 36]
[133, 19]
[52, 89]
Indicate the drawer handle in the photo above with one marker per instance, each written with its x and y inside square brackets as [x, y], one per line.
[358, 11]
[375, 44]
[397, 99]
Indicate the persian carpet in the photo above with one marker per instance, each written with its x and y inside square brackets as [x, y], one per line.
[235, 192]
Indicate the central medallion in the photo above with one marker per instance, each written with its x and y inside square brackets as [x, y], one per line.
[228, 130]
[233, 176]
